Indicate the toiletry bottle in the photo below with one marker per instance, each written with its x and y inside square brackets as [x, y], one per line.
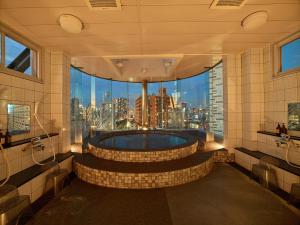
[278, 129]
[7, 138]
[2, 138]
[284, 130]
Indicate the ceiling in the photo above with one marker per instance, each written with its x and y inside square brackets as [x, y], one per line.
[148, 32]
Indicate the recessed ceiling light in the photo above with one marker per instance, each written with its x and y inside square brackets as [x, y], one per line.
[167, 63]
[119, 64]
[70, 23]
[144, 70]
[254, 20]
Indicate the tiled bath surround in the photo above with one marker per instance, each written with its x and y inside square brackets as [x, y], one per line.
[52, 91]
[109, 177]
[142, 156]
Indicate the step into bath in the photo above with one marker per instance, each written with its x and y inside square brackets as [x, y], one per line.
[142, 175]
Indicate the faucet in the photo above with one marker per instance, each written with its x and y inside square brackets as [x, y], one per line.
[283, 140]
[37, 143]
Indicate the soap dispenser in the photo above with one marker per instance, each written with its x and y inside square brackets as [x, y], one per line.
[284, 130]
[2, 138]
[278, 129]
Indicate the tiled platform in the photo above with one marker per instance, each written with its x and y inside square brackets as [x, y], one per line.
[138, 175]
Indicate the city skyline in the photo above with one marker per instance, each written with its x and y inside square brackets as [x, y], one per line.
[193, 90]
[191, 103]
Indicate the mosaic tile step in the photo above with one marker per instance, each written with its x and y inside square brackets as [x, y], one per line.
[142, 175]
[143, 156]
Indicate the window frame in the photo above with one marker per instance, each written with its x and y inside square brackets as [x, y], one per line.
[36, 56]
[277, 54]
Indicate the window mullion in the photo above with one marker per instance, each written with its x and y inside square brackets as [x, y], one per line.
[2, 49]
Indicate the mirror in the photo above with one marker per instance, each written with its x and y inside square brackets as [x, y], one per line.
[294, 116]
[18, 119]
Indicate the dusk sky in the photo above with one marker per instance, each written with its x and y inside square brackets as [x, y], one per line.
[291, 55]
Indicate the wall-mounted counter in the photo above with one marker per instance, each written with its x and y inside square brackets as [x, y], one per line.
[276, 135]
[25, 141]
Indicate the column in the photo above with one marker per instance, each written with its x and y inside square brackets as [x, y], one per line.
[60, 98]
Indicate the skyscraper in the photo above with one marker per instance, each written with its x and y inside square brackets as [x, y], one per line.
[158, 106]
[120, 108]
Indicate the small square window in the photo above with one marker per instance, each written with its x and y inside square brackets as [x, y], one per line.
[290, 55]
[19, 57]
[0, 48]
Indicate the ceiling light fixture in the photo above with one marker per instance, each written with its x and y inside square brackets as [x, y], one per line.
[144, 70]
[254, 20]
[70, 23]
[119, 64]
[167, 63]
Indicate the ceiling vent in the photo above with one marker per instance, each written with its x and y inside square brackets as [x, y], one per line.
[227, 4]
[104, 4]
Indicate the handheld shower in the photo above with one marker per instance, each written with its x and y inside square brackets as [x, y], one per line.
[7, 165]
[285, 142]
[36, 142]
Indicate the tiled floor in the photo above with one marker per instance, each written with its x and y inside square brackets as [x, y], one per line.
[225, 196]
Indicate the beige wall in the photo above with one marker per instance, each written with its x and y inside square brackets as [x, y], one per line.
[256, 100]
[53, 93]
[278, 92]
[232, 101]
[252, 96]
[60, 98]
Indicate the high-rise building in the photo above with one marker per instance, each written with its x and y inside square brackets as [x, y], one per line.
[138, 111]
[216, 115]
[120, 108]
[158, 106]
[77, 112]
[176, 99]
[106, 118]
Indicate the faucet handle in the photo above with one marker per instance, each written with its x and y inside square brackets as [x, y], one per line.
[285, 137]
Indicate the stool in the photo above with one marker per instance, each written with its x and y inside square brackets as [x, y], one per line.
[57, 178]
[265, 172]
[295, 192]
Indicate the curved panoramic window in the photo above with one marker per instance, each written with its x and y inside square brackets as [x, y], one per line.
[191, 103]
